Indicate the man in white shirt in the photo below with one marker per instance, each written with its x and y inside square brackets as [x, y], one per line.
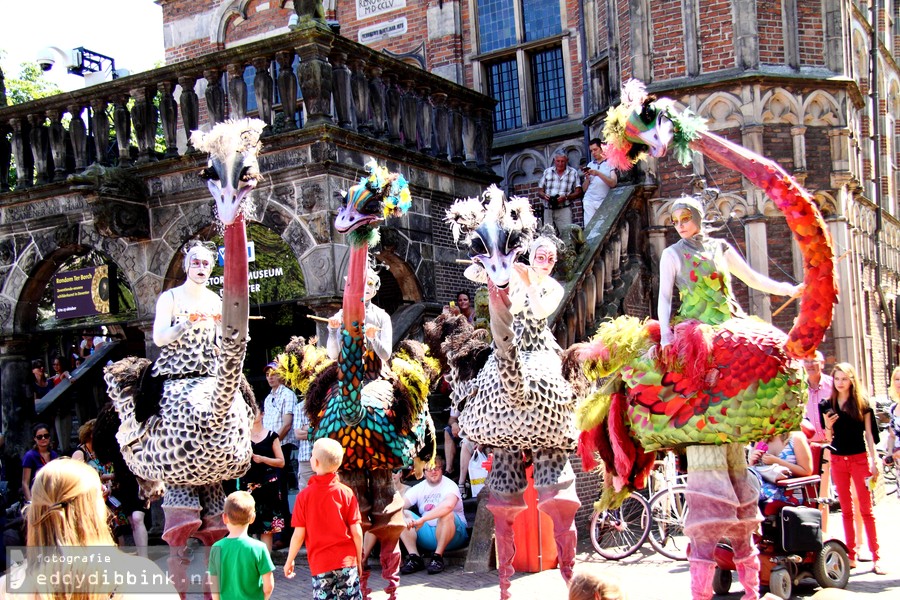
[279, 417]
[442, 524]
[599, 178]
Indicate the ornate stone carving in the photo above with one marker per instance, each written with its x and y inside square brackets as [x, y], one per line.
[312, 196]
[215, 96]
[100, 129]
[21, 148]
[168, 114]
[455, 126]
[425, 121]
[57, 146]
[123, 129]
[360, 87]
[343, 91]
[316, 82]
[40, 147]
[117, 199]
[441, 125]
[190, 109]
[144, 117]
[379, 106]
[394, 109]
[263, 89]
[409, 115]
[78, 136]
[287, 88]
[237, 91]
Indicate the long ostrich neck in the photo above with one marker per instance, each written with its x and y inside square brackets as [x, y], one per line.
[505, 350]
[352, 361]
[809, 230]
[235, 315]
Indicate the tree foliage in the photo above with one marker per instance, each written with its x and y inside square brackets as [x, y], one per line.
[29, 85]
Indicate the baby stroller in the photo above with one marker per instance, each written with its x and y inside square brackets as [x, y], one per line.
[791, 547]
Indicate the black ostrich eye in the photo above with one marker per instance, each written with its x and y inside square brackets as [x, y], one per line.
[245, 174]
[209, 174]
[512, 241]
[478, 247]
[371, 207]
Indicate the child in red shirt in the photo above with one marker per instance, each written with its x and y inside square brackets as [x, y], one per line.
[334, 542]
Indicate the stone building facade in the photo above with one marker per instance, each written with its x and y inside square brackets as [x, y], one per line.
[790, 79]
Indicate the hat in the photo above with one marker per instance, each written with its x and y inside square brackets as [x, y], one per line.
[271, 365]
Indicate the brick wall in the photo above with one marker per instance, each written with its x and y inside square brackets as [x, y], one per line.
[771, 32]
[811, 33]
[716, 36]
[623, 18]
[668, 40]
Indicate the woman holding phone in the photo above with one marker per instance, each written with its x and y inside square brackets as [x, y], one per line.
[850, 429]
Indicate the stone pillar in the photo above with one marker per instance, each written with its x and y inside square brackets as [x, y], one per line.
[410, 115]
[168, 114]
[425, 121]
[100, 130]
[215, 96]
[455, 125]
[144, 118]
[40, 147]
[845, 328]
[470, 136]
[122, 120]
[839, 141]
[5, 158]
[758, 259]
[746, 34]
[343, 90]
[287, 88]
[58, 145]
[798, 135]
[78, 136]
[394, 108]
[237, 91]
[264, 90]
[21, 149]
[379, 105]
[316, 82]
[190, 109]
[17, 407]
[360, 86]
[441, 125]
[485, 138]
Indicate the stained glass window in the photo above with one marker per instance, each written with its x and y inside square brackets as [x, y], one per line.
[496, 24]
[541, 19]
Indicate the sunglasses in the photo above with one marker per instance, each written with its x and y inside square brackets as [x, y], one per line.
[42, 436]
[433, 469]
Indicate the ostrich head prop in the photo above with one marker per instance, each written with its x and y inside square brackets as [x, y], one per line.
[377, 196]
[233, 169]
[643, 124]
[495, 229]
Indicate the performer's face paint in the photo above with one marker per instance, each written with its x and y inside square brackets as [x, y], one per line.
[684, 223]
[544, 260]
[199, 267]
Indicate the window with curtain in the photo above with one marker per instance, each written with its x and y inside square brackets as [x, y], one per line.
[525, 76]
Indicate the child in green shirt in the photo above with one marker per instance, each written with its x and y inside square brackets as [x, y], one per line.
[240, 567]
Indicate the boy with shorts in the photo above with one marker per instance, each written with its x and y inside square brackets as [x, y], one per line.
[326, 516]
[239, 566]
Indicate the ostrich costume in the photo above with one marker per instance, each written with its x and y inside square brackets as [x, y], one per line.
[727, 379]
[200, 434]
[379, 413]
[520, 403]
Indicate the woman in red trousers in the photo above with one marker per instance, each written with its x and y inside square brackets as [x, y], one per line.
[850, 428]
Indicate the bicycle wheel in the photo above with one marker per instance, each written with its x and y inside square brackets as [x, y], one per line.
[668, 509]
[618, 533]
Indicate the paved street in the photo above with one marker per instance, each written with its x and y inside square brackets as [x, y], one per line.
[646, 575]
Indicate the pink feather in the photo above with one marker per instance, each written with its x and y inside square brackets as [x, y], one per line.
[622, 445]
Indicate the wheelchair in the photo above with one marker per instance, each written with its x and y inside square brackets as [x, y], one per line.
[791, 545]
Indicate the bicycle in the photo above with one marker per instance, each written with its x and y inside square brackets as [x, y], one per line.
[668, 509]
[618, 533]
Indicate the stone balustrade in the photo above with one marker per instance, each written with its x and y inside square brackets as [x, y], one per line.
[305, 78]
[608, 267]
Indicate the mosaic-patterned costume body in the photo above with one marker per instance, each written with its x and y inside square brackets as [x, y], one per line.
[521, 404]
[726, 379]
[201, 433]
[196, 351]
[379, 413]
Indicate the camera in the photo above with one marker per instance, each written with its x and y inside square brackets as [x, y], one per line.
[45, 59]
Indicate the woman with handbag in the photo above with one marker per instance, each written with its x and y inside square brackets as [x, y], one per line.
[850, 429]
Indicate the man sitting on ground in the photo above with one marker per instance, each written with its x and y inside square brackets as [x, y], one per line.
[442, 524]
